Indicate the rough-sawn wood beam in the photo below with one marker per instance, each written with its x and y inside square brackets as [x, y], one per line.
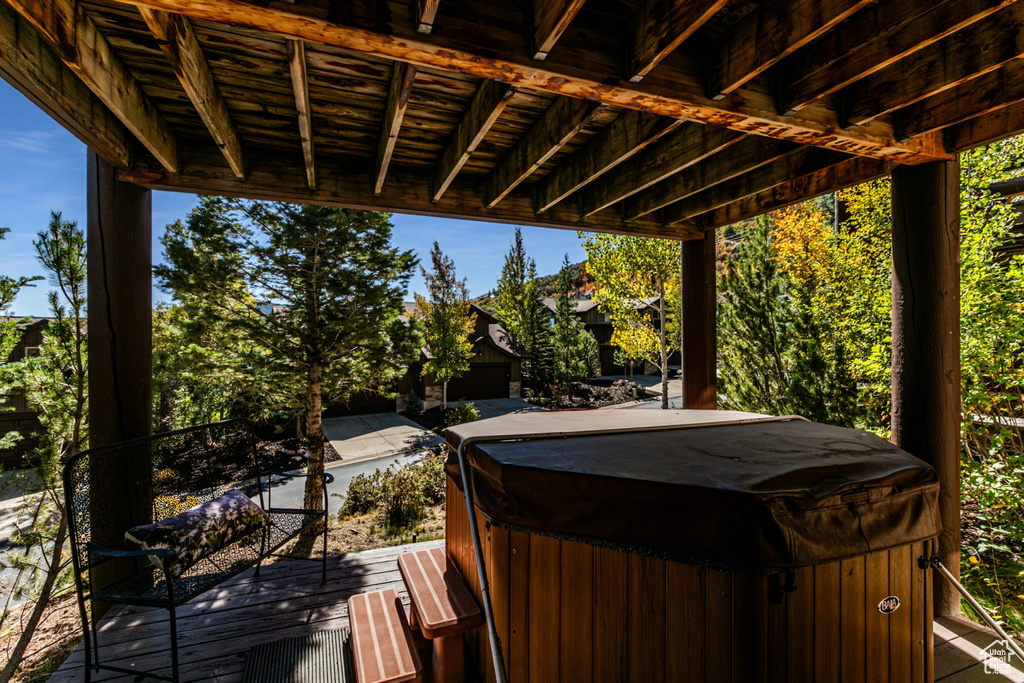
[497, 51]
[872, 40]
[398, 99]
[550, 19]
[178, 42]
[559, 124]
[624, 137]
[660, 26]
[300, 88]
[488, 102]
[678, 150]
[81, 46]
[29, 64]
[747, 154]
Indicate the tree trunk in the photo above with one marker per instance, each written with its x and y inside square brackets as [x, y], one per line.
[314, 498]
[52, 570]
[444, 395]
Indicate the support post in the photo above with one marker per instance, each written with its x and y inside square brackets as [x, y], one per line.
[926, 340]
[698, 345]
[119, 240]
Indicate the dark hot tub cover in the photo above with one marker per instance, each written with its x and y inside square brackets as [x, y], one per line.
[733, 490]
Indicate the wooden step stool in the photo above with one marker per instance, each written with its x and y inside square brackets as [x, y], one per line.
[442, 608]
[382, 644]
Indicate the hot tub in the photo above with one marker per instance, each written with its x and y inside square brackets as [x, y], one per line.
[696, 545]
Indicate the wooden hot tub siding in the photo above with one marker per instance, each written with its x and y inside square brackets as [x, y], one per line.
[568, 611]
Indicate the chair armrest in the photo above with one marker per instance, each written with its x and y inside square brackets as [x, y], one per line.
[327, 476]
[165, 553]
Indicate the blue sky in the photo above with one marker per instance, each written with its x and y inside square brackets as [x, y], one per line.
[42, 169]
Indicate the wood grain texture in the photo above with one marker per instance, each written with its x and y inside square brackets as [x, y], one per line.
[795, 164]
[660, 26]
[556, 127]
[489, 100]
[178, 42]
[550, 19]
[764, 37]
[873, 39]
[926, 341]
[85, 50]
[628, 135]
[698, 342]
[426, 10]
[32, 68]
[680, 149]
[676, 90]
[300, 88]
[744, 156]
[402, 78]
[844, 174]
[982, 47]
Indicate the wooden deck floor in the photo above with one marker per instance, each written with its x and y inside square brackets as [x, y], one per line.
[287, 601]
[216, 631]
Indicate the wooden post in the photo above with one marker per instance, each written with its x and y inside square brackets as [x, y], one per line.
[119, 239]
[926, 340]
[698, 343]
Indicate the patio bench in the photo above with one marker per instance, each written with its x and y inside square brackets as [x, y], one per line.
[382, 645]
[196, 474]
[443, 608]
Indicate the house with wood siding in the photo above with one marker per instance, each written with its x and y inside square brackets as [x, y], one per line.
[15, 414]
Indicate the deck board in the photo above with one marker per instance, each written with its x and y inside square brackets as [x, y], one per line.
[216, 631]
[287, 600]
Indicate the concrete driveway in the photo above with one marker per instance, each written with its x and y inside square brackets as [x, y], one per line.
[494, 407]
[368, 437]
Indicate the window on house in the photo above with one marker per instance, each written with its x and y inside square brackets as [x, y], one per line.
[31, 351]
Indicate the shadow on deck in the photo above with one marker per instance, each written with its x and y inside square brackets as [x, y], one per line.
[287, 601]
[217, 629]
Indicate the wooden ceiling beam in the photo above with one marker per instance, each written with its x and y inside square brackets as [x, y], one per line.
[279, 177]
[629, 134]
[550, 19]
[33, 69]
[853, 171]
[678, 150]
[556, 127]
[747, 154]
[985, 129]
[800, 163]
[767, 35]
[489, 100]
[300, 88]
[875, 38]
[178, 42]
[660, 26]
[478, 44]
[402, 77]
[976, 97]
[974, 51]
[83, 48]
[426, 10]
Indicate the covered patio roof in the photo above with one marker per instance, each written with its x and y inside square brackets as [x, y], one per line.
[664, 117]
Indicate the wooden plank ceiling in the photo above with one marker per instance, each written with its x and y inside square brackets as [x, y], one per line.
[656, 117]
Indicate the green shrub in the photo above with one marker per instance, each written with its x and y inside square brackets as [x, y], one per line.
[364, 494]
[463, 412]
[401, 501]
[413, 403]
[431, 478]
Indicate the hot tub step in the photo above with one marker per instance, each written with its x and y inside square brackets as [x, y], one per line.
[382, 644]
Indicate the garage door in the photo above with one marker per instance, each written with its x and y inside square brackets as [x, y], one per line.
[483, 380]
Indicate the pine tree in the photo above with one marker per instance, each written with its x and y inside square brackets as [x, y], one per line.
[574, 350]
[447, 320]
[517, 306]
[307, 299]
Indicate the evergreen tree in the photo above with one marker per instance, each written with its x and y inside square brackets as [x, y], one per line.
[574, 350]
[307, 299]
[9, 288]
[447, 320]
[517, 306]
